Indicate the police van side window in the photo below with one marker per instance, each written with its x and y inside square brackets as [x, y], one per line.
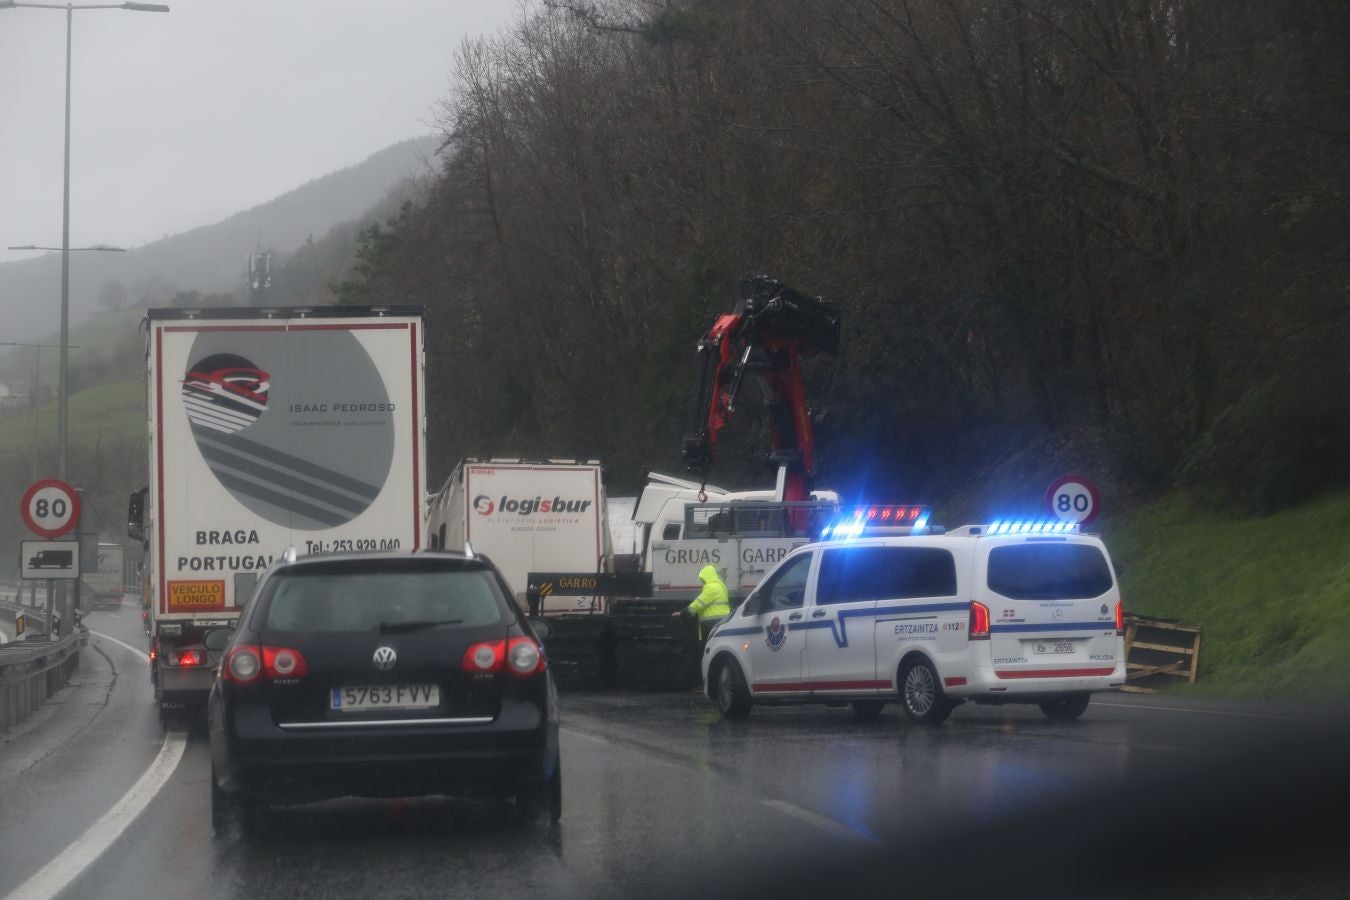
[786, 588]
[913, 572]
[849, 575]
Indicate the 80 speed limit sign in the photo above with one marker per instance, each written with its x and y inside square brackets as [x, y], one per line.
[1073, 499]
[50, 508]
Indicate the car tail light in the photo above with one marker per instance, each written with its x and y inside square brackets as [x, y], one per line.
[283, 662]
[243, 664]
[979, 621]
[521, 656]
[488, 656]
[186, 658]
[1120, 619]
[525, 657]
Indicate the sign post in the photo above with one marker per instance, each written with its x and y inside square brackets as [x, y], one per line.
[51, 508]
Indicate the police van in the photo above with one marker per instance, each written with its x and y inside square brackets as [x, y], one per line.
[886, 609]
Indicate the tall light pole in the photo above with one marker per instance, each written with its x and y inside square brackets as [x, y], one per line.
[63, 389]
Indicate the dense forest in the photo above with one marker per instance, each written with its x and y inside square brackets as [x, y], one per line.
[1110, 235]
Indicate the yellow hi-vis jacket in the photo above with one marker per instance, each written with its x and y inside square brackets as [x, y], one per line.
[713, 602]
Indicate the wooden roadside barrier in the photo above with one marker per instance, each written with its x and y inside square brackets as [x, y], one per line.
[1159, 652]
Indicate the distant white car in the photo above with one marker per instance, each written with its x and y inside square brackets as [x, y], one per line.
[1012, 612]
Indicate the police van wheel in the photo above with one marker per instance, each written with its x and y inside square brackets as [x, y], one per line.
[921, 694]
[1066, 709]
[729, 691]
[867, 710]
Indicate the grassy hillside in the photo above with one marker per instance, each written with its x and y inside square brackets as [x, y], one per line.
[1272, 593]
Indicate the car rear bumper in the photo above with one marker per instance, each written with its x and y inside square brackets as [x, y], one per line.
[991, 682]
[252, 752]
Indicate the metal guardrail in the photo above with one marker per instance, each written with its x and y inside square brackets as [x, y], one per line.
[31, 671]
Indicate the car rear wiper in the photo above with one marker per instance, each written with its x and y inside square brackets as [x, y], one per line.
[422, 625]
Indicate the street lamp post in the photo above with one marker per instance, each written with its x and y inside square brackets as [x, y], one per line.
[63, 390]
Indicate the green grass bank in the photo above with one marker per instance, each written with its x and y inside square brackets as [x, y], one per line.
[1272, 593]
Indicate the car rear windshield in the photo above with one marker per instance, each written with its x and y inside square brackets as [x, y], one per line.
[382, 597]
[1045, 571]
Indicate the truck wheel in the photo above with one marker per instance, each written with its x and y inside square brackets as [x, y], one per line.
[1067, 708]
[867, 710]
[729, 690]
[921, 693]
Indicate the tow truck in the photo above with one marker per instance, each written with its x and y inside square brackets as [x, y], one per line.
[686, 524]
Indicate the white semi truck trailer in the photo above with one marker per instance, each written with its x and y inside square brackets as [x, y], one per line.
[272, 430]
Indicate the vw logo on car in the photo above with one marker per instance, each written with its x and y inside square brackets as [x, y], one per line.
[385, 657]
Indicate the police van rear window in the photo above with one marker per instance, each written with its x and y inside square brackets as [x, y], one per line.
[1044, 571]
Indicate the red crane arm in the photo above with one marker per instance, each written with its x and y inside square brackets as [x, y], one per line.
[771, 328]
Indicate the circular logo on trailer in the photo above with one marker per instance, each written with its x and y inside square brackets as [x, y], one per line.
[775, 635]
[225, 393]
[385, 657]
[300, 431]
[483, 505]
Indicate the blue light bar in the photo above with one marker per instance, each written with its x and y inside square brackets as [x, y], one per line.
[1030, 526]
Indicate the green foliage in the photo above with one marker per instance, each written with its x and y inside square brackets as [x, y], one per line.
[1272, 593]
[1011, 278]
[1280, 443]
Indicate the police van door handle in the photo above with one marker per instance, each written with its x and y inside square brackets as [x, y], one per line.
[794, 617]
[818, 613]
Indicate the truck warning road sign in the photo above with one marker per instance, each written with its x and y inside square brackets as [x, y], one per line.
[49, 559]
[50, 508]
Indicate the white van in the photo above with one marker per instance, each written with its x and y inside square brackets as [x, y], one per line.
[1014, 612]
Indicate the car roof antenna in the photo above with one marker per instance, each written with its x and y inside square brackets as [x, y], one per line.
[289, 555]
[468, 551]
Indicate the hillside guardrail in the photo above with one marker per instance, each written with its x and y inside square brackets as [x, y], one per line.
[31, 671]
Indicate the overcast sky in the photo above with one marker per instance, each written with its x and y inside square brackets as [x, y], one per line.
[180, 119]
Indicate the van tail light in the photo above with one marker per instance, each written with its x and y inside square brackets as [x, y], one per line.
[243, 664]
[979, 621]
[283, 662]
[1120, 619]
[521, 656]
[524, 657]
[485, 657]
[186, 659]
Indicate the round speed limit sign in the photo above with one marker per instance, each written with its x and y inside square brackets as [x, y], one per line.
[1073, 499]
[50, 508]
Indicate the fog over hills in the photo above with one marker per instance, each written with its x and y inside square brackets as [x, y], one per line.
[209, 259]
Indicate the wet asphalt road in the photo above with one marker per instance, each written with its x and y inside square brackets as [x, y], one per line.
[659, 792]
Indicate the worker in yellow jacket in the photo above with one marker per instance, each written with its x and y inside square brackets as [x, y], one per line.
[712, 605]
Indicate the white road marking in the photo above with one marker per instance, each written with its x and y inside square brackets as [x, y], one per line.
[71, 862]
[84, 851]
[824, 823]
[1206, 712]
[141, 653]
